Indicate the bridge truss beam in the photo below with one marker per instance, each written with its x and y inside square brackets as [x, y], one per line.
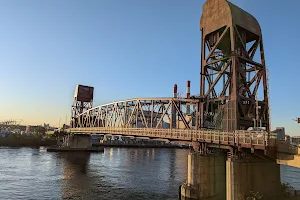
[143, 113]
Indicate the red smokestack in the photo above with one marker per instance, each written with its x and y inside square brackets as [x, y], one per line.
[188, 89]
[175, 91]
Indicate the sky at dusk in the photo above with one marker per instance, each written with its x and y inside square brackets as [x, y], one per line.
[127, 49]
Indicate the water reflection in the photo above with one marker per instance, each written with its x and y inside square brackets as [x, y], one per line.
[123, 174]
[75, 163]
[75, 178]
[111, 153]
[118, 173]
[290, 175]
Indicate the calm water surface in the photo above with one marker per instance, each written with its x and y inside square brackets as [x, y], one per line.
[118, 173]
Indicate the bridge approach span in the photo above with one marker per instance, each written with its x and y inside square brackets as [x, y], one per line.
[243, 139]
[174, 119]
[166, 118]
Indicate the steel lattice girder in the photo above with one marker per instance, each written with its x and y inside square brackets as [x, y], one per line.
[232, 72]
[143, 113]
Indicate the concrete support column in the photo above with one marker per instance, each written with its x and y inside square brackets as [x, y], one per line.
[243, 176]
[105, 137]
[78, 141]
[206, 177]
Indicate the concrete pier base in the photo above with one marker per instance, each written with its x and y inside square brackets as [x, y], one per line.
[206, 177]
[213, 177]
[76, 143]
[243, 176]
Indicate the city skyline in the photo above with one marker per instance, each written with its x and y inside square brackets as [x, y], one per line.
[125, 50]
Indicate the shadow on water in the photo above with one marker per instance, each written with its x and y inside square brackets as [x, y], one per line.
[75, 163]
[75, 181]
[121, 174]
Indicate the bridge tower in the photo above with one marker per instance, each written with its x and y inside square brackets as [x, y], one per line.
[83, 100]
[233, 88]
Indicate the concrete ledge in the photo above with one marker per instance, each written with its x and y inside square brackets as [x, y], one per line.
[287, 159]
[188, 193]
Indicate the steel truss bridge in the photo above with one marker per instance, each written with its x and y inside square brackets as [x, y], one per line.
[231, 39]
[142, 113]
[174, 119]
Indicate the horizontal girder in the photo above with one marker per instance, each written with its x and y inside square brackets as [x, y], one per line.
[241, 138]
[142, 112]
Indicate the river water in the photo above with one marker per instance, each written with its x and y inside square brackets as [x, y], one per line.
[118, 173]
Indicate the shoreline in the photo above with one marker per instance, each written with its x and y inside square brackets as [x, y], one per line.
[140, 146]
[26, 141]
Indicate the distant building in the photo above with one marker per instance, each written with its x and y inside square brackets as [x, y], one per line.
[49, 132]
[287, 138]
[296, 139]
[65, 126]
[4, 133]
[47, 126]
[280, 132]
[28, 130]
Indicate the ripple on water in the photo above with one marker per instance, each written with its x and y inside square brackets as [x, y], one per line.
[117, 173]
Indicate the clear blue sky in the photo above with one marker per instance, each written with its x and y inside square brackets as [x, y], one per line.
[127, 49]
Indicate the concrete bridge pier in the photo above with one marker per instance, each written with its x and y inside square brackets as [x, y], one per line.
[206, 177]
[257, 175]
[231, 177]
[77, 141]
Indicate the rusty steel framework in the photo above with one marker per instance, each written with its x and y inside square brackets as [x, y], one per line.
[83, 100]
[233, 94]
[143, 113]
[233, 69]
[233, 86]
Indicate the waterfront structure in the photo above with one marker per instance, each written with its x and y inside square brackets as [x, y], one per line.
[83, 100]
[10, 122]
[296, 139]
[115, 140]
[227, 116]
[280, 132]
[4, 133]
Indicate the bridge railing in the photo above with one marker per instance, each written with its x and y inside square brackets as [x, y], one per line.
[239, 137]
[251, 137]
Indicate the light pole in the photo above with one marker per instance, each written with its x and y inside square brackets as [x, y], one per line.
[59, 122]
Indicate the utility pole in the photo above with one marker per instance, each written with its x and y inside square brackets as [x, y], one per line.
[59, 122]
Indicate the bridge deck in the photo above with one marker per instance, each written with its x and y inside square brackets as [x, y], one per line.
[240, 138]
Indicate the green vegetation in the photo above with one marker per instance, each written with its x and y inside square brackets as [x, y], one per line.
[285, 188]
[33, 140]
[284, 195]
[252, 196]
